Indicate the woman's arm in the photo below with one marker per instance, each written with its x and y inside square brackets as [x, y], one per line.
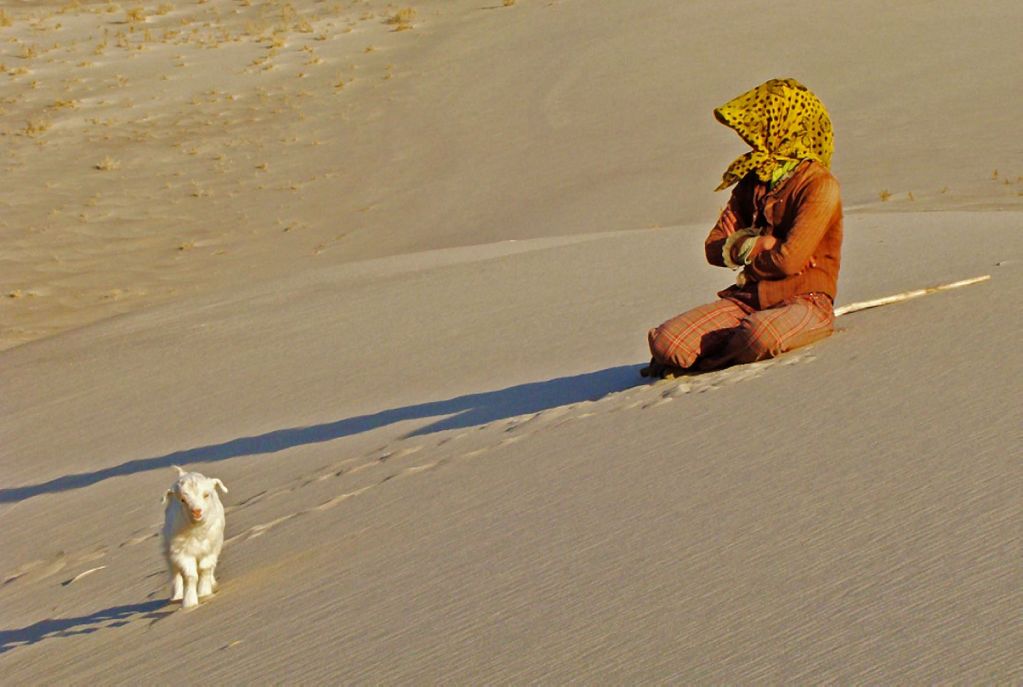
[814, 214]
[736, 215]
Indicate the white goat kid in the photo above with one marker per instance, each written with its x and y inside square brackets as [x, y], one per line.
[193, 534]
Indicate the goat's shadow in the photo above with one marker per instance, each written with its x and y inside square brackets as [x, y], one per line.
[455, 413]
[115, 616]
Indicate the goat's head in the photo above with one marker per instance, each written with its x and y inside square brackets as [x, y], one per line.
[195, 492]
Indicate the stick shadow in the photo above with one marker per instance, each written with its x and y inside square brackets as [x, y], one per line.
[115, 616]
[455, 413]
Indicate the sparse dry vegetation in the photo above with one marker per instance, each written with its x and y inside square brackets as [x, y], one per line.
[108, 164]
[135, 15]
[402, 19]
[35, 127]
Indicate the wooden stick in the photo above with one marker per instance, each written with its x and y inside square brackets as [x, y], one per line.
[81, 575]
[906, 295]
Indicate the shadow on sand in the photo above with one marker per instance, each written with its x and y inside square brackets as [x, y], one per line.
[455, 413]
[115, 616]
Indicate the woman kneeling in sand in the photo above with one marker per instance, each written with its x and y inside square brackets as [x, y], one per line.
[782, 228]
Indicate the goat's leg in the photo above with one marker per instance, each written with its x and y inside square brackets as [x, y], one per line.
[191, 574]
[206, 580]
[177, 585]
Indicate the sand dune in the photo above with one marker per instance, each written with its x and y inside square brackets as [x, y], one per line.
[392, 287]
[159, 151]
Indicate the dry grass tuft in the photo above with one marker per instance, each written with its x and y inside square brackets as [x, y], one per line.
[108, 164]
[4, 19]
[200, 192]
[402, 19]
[509, 3]
[35, 127]
[884, 195]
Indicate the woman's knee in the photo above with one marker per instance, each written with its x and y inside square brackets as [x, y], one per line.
[752, 342]
[761, 336]
[701, 331]
[666, 346]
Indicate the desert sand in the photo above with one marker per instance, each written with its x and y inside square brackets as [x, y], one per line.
[386, 270]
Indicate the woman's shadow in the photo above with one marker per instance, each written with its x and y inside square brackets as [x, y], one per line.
[115, 616]
[455, 413]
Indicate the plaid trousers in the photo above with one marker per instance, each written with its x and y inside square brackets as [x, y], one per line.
[726, 332]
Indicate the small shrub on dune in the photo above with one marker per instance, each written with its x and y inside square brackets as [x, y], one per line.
[108, 164]
[402, 19]
[36, 127]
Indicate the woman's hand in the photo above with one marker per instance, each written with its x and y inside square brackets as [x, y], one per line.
[764, 243]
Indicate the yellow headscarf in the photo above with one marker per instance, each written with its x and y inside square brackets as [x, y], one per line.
[783, 122]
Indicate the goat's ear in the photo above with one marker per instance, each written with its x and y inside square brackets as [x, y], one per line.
[167, 496]
[219, 485]
[180, 470]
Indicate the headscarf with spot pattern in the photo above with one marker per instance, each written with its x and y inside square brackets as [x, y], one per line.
[783, 122]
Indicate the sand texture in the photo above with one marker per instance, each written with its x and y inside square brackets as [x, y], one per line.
[388, 275]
